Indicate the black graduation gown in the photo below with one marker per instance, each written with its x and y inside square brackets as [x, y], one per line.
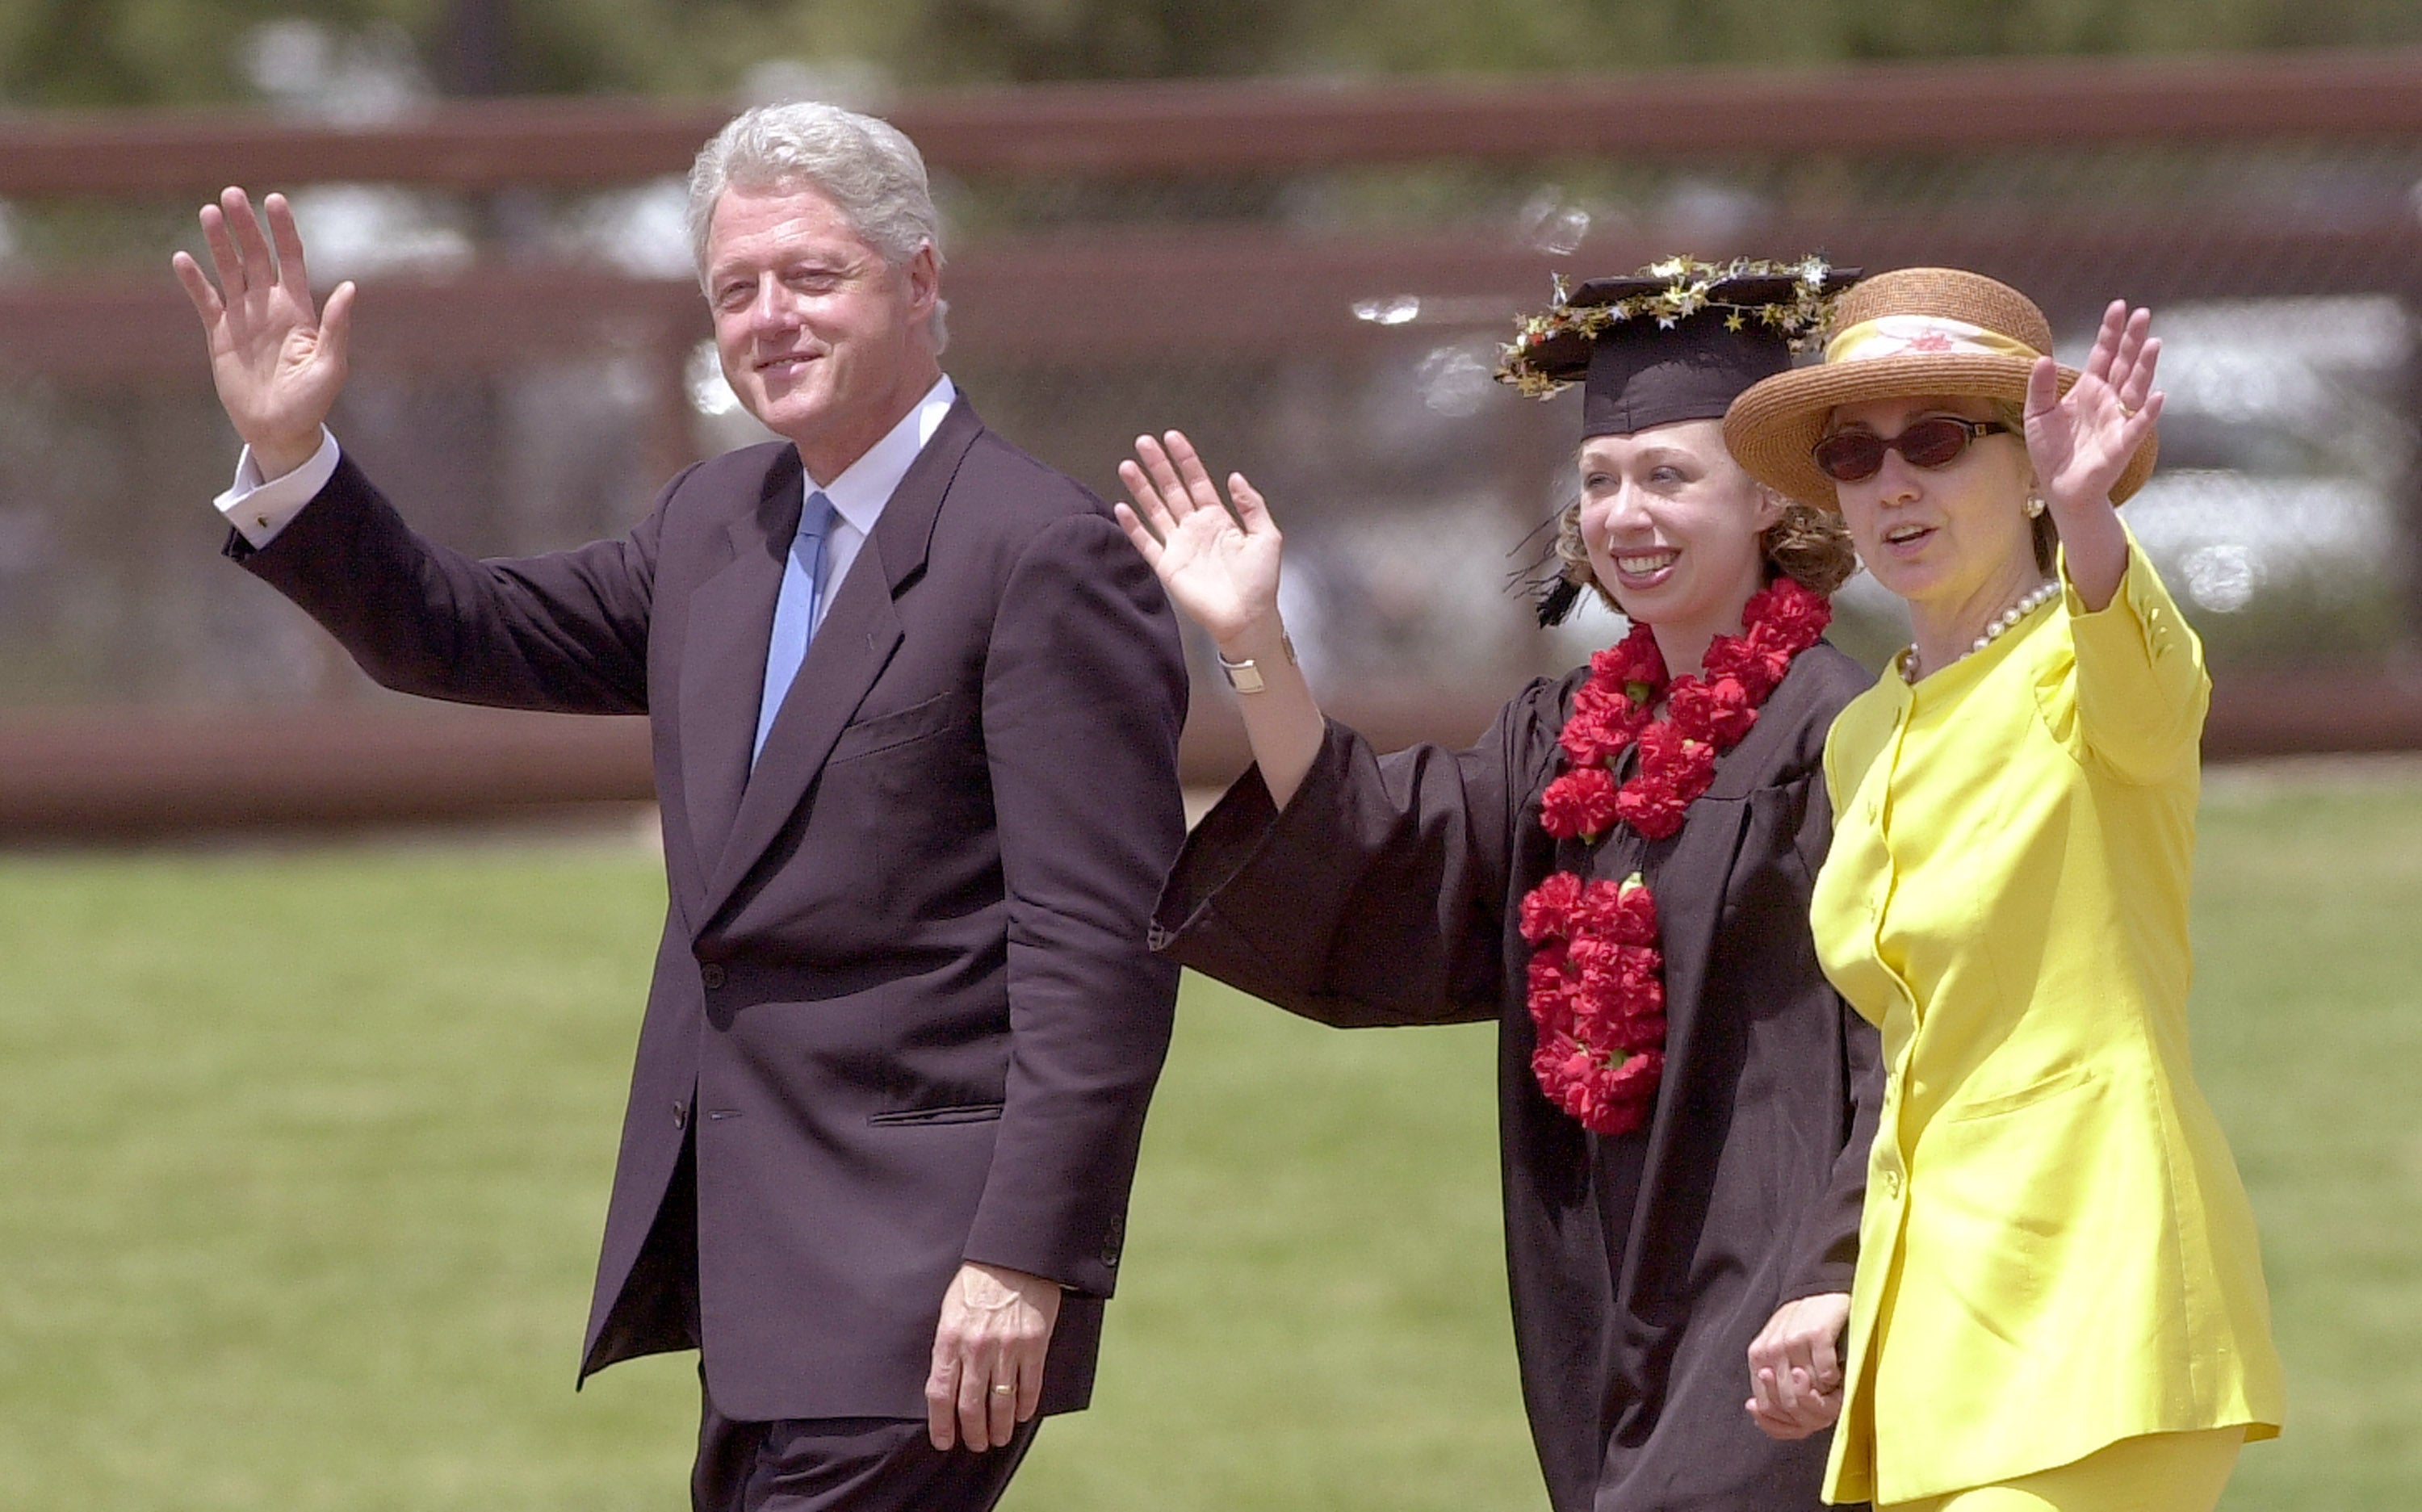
[1642, 1266]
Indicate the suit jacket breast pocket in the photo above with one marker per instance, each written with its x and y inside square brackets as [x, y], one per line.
[889, 731]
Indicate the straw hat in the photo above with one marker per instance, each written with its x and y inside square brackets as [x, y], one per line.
[1911, 332]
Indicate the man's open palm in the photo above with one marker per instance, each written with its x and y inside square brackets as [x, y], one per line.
[277, 362]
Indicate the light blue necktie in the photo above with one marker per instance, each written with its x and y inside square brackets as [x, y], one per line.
[794, 612]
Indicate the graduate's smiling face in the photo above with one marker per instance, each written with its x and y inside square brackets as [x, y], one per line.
[1671, 525]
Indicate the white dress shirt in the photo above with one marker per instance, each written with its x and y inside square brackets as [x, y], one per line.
[259, 510]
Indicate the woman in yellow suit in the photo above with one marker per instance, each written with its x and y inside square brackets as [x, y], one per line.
[2059, 1302]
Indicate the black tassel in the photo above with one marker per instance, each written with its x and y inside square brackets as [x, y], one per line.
[1552, 594]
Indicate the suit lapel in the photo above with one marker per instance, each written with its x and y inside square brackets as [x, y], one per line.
[723, 659]
[850, 650]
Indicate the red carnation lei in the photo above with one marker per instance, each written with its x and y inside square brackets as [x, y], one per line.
[1597, 977]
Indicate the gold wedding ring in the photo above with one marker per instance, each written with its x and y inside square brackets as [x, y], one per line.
[1002, 1387]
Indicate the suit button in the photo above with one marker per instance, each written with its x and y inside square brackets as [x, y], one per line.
[680, 1115]
[712, 975]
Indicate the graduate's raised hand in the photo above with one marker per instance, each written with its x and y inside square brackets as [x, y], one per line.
[278, 362]
[1221, 568]
[2081, 442]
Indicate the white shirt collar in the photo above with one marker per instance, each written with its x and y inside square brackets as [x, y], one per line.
[867, 484]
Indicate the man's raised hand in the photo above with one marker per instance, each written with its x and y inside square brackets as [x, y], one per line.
[278, 362]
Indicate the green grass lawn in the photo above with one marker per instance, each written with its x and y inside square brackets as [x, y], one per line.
[303, 1156]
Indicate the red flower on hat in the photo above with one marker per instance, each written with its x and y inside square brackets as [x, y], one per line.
[1595, 977]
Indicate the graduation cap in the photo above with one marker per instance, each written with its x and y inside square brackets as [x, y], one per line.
[1676, 342]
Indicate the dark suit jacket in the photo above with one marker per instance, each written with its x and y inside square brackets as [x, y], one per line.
[903, 1004]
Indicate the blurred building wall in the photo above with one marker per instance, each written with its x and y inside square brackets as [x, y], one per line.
[1311, 281]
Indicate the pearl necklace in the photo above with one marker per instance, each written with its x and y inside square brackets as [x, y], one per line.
[2041, 594]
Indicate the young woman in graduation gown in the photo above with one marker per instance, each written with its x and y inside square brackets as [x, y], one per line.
[1618, 872]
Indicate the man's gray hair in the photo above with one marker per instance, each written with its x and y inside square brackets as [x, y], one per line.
[866, 167]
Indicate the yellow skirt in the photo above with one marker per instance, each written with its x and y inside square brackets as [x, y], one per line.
[2157, 1472]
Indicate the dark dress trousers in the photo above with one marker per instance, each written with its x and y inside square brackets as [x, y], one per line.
[903, 1005]
[1388, 892]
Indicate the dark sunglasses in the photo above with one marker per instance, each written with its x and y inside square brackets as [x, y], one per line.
[1847, 456]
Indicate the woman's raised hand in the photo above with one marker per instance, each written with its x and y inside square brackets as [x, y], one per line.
[2081, 441]
[1222, 569]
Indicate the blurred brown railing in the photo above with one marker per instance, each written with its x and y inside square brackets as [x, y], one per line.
[1191, 128]
[1247, 288]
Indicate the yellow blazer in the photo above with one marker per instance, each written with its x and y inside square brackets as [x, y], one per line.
[2056, 1252]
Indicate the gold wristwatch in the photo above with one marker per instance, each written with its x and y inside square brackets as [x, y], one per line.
[1244, 676]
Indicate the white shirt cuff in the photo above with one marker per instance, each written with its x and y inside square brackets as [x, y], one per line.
[259, 510]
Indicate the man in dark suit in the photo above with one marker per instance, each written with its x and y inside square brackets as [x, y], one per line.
[915, 705]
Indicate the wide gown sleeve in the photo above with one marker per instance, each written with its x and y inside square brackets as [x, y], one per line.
[1378, 895]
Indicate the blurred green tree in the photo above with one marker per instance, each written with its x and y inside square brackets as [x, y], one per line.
[65, 53]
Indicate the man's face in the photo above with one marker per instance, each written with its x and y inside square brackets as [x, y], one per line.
[820, 338]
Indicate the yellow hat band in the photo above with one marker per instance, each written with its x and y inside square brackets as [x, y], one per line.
[1896, 336]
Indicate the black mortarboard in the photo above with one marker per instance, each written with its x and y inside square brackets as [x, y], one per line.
[1652, 369]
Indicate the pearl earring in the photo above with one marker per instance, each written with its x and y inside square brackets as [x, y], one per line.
[2035, 506]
